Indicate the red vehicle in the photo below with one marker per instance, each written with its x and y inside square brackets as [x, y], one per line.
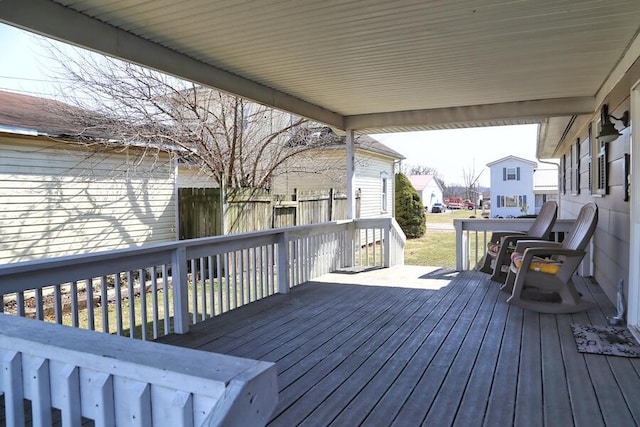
[454, 203]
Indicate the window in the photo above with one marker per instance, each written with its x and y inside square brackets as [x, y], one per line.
[511, 201]
[384, 177]
[511, 174]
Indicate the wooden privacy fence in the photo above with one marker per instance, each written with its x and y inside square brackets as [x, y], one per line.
[205, 212]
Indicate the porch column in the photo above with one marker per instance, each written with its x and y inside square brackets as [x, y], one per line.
[351, 163]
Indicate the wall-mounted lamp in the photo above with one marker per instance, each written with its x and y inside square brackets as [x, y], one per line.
[608, 131]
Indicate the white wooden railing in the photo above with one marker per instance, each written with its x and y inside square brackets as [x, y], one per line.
[151, 291]
[181, 283]
[69, 374]
[473, 234]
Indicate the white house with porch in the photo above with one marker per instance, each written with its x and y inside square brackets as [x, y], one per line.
[445, 348]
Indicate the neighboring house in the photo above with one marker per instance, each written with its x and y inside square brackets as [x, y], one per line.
[324, 168]
[62, 195]
[545, 185]
[428, 188]
[511, 187]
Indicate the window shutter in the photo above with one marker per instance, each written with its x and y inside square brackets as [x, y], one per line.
[504, 174]
[524, 200]
[518, 174]
[498, 201]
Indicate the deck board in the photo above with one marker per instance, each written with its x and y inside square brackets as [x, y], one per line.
[365, 354]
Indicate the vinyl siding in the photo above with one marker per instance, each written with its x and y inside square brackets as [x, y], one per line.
[60, 199]
[368, 171]
[328, 170]
[193, 177]
[609, 256]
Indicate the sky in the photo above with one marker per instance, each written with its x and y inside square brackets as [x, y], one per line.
[23, 65]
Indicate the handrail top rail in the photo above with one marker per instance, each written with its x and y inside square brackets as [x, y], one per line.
[166, 248]
[505, 224]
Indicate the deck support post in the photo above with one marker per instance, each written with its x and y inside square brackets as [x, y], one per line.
[180, 290]
[351, 166]
[283, 263]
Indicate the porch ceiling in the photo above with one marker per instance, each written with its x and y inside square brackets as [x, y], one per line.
[372, 65]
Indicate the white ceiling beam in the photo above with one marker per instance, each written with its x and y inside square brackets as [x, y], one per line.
[54, 20]
[535, 109]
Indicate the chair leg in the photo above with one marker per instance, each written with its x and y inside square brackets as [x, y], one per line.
[569, 300]
[509, 281]
[486, 264]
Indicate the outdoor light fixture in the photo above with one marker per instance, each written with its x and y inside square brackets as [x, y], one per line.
[608, 131]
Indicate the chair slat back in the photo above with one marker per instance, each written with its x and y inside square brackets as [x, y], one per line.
[541, 227]
[581, 231]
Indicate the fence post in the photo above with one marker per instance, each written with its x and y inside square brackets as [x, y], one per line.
[283, 263]
[180, 283]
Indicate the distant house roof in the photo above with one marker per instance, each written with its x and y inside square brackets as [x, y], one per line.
[512, 158]
[31, 115]
[365, 142]
[330, 140]
[420, 182]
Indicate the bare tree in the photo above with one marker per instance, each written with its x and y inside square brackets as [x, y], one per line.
[233, 141]
[470, 178]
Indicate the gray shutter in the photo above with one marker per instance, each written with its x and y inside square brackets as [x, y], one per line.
[498, 201]
[517, 174]
[504, 174]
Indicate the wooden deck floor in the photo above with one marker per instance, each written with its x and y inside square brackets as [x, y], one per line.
[350, 354]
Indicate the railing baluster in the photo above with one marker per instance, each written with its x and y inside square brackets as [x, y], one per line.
[219, 275]
[203, 287]
[74, 304]
[193, 285]
[118, 292]
[227, 285]
[154, 300]
[241, 276]
[142, 281]
[57, 303]
[212, 304]
[104, 304]
[39, 304]
[132, 309]
[165, 300]
[88, 292]
[20, 310]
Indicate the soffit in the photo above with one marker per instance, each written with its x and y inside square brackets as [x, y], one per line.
[376, 64]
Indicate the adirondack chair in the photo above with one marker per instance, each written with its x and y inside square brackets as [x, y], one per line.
[540, 274]
[502, 244]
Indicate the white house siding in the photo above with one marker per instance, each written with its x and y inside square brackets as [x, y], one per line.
[522, 186]
[328, 170]
[609, 257]
[323, 170]
[59, 199]
[194, 177]
[368, 172]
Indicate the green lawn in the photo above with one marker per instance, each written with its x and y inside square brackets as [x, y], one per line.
[436, 248]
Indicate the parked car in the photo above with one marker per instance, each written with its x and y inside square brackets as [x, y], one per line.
[437, 208]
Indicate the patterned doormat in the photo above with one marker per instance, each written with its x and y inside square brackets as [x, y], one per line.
[608, 340]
